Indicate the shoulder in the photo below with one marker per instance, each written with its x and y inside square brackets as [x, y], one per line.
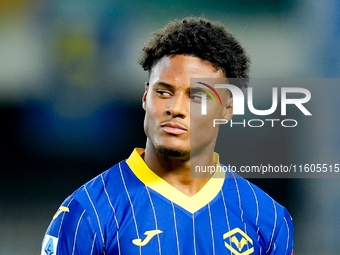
[90, 213]
[106, 196]
[95, 198]
[259, 209]
[99, 196]
[252, 197]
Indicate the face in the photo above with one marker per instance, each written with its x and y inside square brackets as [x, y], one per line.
[173, 120]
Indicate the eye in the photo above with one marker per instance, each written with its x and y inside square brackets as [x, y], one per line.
[197, 98]
[164, 93]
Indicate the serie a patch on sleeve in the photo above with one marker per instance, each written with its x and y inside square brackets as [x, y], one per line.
[49, 245]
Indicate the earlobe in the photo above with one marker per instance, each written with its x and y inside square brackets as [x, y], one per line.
[228, 110]
[143, 103]
[145, 94]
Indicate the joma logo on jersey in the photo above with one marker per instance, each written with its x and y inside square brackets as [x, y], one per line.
[238, 246]
[60, 210]
[149, 235]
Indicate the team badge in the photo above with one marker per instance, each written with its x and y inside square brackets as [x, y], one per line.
[240, 242]
[49, 246]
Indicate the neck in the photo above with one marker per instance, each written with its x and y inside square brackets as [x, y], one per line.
[176, 170]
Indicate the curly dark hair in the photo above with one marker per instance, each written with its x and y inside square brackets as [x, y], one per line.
[201, 38]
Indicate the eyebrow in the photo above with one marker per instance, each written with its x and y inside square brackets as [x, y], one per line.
[169, 86]
[163, 84]
[195, 90]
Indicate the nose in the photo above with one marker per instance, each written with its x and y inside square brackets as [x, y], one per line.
[178, 106]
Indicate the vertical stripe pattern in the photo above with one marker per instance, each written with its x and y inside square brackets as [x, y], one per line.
[75, 236]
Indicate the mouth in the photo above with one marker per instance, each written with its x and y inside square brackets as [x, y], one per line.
[174, 129]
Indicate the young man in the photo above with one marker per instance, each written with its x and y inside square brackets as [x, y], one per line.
[149, 204]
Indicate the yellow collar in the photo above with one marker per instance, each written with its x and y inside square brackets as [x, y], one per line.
[153, 181]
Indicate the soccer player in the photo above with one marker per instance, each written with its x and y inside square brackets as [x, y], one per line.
[149, 204]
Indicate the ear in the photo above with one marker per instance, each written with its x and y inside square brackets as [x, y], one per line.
[145, 94]
[228, 109]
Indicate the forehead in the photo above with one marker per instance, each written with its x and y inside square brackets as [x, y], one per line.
[178, 69]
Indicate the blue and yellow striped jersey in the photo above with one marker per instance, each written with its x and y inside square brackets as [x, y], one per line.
[130, 210]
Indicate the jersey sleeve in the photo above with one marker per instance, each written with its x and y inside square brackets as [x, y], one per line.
[71, 231]
[284, 239]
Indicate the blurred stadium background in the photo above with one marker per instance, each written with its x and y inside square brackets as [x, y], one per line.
[70, 102]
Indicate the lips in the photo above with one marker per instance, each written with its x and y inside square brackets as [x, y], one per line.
[174, 129]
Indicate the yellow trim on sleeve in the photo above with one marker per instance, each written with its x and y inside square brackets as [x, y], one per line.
[153, 181]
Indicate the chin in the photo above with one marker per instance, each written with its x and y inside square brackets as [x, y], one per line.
[173, 152]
